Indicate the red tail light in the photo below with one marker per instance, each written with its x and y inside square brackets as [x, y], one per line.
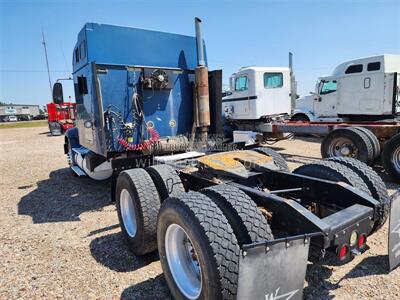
[362, 241]
[343, 252]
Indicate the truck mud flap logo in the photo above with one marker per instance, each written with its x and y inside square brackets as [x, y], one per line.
[394, 232]
[277, 296]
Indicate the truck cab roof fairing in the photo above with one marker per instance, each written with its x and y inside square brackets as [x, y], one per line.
[110, 44]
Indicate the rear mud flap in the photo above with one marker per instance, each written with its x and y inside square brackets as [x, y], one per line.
[394, 232]
[274, 270]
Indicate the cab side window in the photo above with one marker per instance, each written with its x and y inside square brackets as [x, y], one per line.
[76, 54]
[354, 69]
[241, 83]
[374, 66]
[273, 80]
[328, 87]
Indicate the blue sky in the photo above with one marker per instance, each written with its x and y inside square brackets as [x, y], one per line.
[321, 34]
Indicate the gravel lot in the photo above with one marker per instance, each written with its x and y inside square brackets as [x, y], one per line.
[60, 238]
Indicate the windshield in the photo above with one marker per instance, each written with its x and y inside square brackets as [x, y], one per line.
[328, 87]
[241, 83]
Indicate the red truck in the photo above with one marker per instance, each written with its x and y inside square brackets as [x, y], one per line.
[61, 117]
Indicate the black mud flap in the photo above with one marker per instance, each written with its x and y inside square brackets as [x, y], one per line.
[394, 232]
[274, 270]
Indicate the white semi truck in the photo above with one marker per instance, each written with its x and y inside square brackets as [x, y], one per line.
[258, 92]
[356, 108]
[365, 89]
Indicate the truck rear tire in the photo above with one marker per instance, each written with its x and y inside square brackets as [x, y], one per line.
[374, 183]
[198, 249]
[166, 180]
[138, 203]
[278, 159]
[347, 142]
[333, 171]
[246, 220]
[391, 157]
[373, 139]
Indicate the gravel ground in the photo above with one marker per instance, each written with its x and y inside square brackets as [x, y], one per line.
[60, 238]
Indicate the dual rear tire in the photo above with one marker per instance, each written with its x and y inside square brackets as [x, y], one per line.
[138, 203]
[353, 142]
[362, 144]
[199, 234]
[216, 221]
[139, 194]
[356, 174]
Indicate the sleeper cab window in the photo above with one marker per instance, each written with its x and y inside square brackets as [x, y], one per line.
[82, 49]
[354, 69]
[328, 87]
[76, 54]
[374, 66]
[241, 83]
[273, 80]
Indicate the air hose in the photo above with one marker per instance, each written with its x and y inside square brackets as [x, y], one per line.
[155, 136]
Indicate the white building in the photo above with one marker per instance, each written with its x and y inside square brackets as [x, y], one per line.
[18, 110]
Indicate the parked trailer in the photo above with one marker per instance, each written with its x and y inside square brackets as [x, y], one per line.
[227, 224]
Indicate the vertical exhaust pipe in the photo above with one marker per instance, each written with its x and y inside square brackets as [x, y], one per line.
[293, 92]
[203, 99]
[199, 42]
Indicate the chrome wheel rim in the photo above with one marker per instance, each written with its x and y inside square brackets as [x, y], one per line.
[396, 159]
[183, 262]
[342, 147]
[128, 212]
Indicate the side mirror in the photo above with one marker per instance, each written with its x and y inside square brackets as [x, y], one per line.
[316, 96]
[58, 95]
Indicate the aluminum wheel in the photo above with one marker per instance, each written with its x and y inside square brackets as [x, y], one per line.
[128, 212]
[396, 159]
[342, 147]
[183, 262]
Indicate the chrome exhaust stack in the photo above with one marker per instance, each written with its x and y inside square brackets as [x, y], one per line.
[293, 92]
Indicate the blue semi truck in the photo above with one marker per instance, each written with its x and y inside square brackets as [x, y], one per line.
[229, 222]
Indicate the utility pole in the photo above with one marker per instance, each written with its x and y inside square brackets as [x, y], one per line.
[47, 64]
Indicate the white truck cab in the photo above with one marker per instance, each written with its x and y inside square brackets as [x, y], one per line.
[257, 92]
[361, 89]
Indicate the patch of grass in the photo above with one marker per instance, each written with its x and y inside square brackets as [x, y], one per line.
[24, 124]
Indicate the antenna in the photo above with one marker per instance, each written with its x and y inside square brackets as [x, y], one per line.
[47, 63]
